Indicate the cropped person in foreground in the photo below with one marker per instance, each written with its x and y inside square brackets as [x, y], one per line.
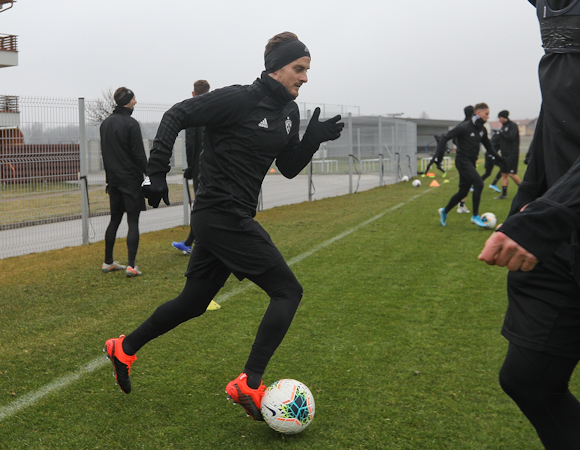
[538, 243]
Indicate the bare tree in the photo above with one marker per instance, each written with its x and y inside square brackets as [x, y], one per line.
[98, 110]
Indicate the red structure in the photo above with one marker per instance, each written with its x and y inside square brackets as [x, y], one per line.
[30, 163]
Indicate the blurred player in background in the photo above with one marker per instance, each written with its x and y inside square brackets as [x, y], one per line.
[509, 142]
[469, 135]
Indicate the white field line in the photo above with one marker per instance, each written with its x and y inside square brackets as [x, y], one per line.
[30, 399]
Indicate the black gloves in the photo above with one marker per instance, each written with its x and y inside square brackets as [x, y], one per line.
[188, 173]
[318, 132]
[155, 189]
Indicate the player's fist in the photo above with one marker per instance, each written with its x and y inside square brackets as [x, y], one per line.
[155, 189]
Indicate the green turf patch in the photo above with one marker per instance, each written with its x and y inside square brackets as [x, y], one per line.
[398, 337]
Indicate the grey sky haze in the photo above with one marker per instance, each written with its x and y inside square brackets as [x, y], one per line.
[405, 56]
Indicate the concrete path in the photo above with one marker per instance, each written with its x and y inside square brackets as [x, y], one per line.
[276, 191]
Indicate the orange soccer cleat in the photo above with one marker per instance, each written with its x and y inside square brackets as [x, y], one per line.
[121, 362]
[250, 399]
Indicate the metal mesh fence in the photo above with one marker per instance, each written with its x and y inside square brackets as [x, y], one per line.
[52, 179]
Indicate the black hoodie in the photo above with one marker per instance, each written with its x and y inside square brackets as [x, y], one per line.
[122, 148]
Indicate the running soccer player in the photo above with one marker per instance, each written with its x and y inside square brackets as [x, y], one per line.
[469, 136]
[538, 243]
[246, 129]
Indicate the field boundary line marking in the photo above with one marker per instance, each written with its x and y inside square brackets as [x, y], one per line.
[30, 399]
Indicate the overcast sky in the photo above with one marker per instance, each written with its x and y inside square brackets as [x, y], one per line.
[385, 56]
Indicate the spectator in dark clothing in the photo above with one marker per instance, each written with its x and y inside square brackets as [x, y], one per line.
[125, 164]
[509, 142]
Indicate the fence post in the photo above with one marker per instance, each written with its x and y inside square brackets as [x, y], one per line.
[83, 172]
[381, 162]
[397, 152]
[350, 154]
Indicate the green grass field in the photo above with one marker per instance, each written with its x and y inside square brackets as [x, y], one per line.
[398, 337]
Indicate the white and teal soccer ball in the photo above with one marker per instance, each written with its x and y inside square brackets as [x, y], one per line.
[490, 220]
[416, 183]
[288, 406]
[405, 178]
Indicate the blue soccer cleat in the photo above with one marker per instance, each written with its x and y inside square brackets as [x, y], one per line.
[477, 221]
[186, 249]
[442, 216]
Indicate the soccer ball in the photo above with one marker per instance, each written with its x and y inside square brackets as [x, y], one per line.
[405, 178]
[489, 219]
[288, 406]
[416, 183]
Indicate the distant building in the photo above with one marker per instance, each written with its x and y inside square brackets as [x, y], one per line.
[8, 42]
[9, 114]
[427, 129]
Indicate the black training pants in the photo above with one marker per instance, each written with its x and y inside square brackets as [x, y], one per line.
[538, 383]
[468, 176]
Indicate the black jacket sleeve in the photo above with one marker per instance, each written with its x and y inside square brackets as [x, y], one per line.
[218, 108]
[297, 153]
[442, 143]
[294, 157]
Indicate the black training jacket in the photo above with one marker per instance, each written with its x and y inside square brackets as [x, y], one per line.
[509, 139]
[468, 138]
[122, 148]
[246, 129]
[551, 184]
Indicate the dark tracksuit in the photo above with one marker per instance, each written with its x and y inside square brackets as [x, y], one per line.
[542, 321]
[468, 137]
[509, 143]
[125, 163]
[246, 129]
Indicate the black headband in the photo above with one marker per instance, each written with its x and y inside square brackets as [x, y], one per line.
[125, 99]
[284, 54]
